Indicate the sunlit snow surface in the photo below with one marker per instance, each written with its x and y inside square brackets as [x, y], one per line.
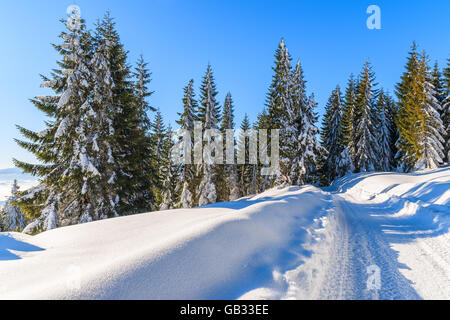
[290, 243]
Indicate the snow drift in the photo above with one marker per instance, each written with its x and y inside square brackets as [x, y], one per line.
[219, 251]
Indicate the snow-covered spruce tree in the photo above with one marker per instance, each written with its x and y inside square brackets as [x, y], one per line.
[261, 183]
[432, 130]
[254, 182]
[294, 135]
[228, 174]
[135, 173]
[383, 133]
[306, 147]
[209, 115]
[170, 191]
[77, 177]
[245, 170]
[392, 114]
[420, 127]
[280, 109]
[186, 179]
[366, 142]
[349, 102]
[291, 111]
[11, 217]
[310, 145]
[437, 81]
[159, 139]
[446, 111]
[337, 163]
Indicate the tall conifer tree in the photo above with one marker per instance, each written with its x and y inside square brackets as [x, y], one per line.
[419, 123]
[229, 179]
[186, 181]
[170, 195]
[209, 115]
[383, 133]
[338, 162]
[446, 110]
[159, 141]
[349, 116]
[366, 143]
[145, 162]
[245, 170]
[280, 108]
[130, 124]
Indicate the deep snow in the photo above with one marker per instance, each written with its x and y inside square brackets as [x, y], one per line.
[291, 243]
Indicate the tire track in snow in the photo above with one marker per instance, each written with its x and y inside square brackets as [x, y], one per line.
[369, 246]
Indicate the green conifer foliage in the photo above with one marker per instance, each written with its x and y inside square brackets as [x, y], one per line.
[419, 123]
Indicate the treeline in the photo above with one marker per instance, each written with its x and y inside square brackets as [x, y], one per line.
[102, 156]
[365, 129]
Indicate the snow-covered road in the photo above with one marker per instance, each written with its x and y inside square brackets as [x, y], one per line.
[369, 236]
[364, 252]
[385, 237]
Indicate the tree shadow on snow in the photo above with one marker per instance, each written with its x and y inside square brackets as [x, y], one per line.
[8, 244]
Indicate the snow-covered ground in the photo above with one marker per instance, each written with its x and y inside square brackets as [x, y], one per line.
[291, 243]
[7, 177]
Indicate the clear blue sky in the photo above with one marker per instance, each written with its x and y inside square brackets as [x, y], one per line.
[238, 37]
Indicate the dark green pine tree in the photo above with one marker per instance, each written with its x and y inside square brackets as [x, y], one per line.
[384, 133]
[310, 142]
[445, 113]
[209, 109]
[279, 105]
[337, 162]
[349, 102]
[438, 85]
[228, 183]
[209, 115]
[186, 180]
[159, 138]
[170, 172]
[366, 143]
[245, 169]
[145, 169]
[392, 115]
[261, 183]
[142, 78]
[130, 126]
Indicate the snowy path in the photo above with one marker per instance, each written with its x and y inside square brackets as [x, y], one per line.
[363, 244]
[400, 227]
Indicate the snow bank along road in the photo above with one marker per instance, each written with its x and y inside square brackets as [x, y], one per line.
[369, 236]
